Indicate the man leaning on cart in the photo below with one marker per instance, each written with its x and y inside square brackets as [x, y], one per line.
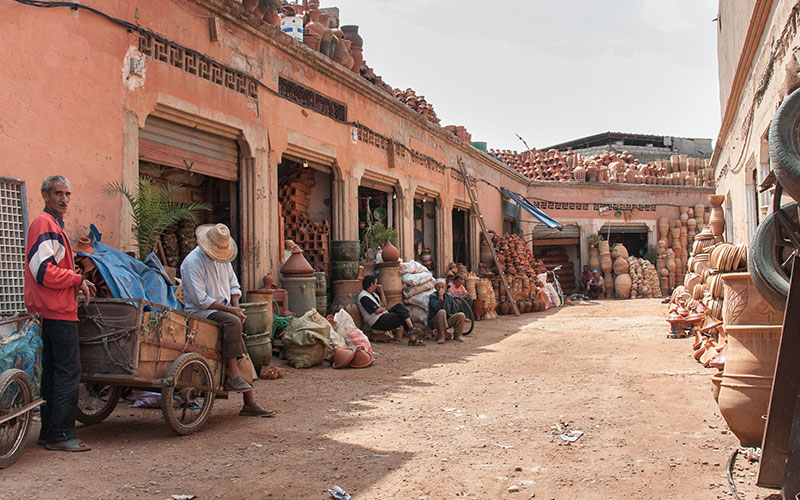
[51, 289]
[211, 290]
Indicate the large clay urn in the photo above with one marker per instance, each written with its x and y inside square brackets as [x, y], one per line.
[594, 258]
[605, 263]
[320, 34]
[743, 305]
[390, 253]
[622, 286]
[356, 45]
[747, 380]
[717, 217]
[297, 265]
[603, 248]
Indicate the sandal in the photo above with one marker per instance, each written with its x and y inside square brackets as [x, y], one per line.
[73, 445]
[413, 340]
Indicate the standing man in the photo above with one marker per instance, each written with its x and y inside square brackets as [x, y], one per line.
[211, 290]
[442, 314]
[51, 287]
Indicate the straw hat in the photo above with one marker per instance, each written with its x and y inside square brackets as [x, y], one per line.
[215, 240]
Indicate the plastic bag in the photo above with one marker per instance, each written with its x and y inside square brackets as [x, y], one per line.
[306, 340]
[417, 278]
[344, 322]
[358, 339]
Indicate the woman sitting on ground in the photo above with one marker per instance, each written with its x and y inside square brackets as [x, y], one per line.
[378, 317]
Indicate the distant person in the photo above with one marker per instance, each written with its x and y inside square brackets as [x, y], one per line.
[443, 314]
[585, 277]
[51, 288]
[378, 317]
[457, 289]
[596, 287]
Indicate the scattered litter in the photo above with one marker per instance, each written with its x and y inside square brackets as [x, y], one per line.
[183, 497]
[571, 436]
[374, 455]
[504, 446]
[257, 445]
[513, 488]
[339, 494]
[448, 409]
[752, 454]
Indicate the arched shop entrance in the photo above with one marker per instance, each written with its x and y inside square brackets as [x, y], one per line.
[426, 237]
[634, 235]
[377, 204]
[462, 236]
[204, 161]
[305, 194]
[559, 248]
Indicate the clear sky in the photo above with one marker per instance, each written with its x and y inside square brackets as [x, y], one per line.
[550, 70]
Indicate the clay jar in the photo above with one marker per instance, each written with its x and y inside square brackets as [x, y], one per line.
[84, 245]
[717, 218]
[622, 286]
[390, 253]
[342, 356]
[594, 258]
[297, 265]
[743, 305]
[747, 380]
[320, 31]
[356, 45]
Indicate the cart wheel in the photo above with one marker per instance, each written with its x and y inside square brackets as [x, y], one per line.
[464, 307]
[96, 402]
[769, 259]
[15, 393]
[187, 403]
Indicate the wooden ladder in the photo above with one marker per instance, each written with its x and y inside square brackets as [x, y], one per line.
[473, 198]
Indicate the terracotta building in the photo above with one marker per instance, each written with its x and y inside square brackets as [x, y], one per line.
[280, 139]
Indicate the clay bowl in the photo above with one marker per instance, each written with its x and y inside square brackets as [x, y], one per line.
[361, 359]
[342, 356]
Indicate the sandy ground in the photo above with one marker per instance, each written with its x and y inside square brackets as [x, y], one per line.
[460, 420]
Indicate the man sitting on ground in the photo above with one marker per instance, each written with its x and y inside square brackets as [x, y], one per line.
[378, 317]
[585, 277]
[443, 314]
[211, 290]
[596, 287]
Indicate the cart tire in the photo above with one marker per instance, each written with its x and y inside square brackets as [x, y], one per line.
[464, 307]
[96, 402]
[765, 260]
[15, 392]
[784, 152]
[185, 408]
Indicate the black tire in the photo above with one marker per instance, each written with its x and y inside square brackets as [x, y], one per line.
[464, 307]
[15, 393]
[784, 144]
[769, 262]
[96, 402]
[187, 400]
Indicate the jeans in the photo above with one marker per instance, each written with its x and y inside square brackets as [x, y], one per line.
[395, 316]
[61, 377]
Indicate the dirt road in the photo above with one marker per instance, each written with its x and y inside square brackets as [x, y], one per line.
[460, 420]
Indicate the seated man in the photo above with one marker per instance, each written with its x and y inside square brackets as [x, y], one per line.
[585, 277]
[596, 287]
[456, 289]
[443, 314]
[211, 290]
[378, 317]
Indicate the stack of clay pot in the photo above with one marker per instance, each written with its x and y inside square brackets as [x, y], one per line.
[557, 256]
[417, 102]
[313, 237]
[622, 278]
[515, 255]
[644, 278]
[606, 265]
[485, 292]
[539, 165]
[717, 217]
[389, 274]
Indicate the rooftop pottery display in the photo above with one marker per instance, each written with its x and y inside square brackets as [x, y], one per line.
[356, 46]
[747, 380]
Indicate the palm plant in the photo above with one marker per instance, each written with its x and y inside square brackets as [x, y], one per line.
[154, 209]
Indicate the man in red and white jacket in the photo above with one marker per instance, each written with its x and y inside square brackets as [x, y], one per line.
[51, 287]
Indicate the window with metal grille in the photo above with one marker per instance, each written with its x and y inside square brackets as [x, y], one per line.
[311, 99]
[13, 225]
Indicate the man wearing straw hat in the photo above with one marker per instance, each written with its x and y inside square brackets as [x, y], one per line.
[211, 290]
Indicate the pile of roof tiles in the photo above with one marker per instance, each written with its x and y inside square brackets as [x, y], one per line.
[416, 102]
[609, 166]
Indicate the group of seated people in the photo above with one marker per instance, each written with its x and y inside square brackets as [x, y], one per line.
[443, 313]
[592, 283]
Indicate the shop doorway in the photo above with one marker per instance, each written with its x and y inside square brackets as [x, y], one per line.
[559, 248]
[425, 232]
[305, 199]
[206, 166]
[461, 237]
[375, 206]
[633, 236]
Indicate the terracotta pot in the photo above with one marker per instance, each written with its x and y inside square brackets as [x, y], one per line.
[594, 258]
[259, 317]
[272, 17]
[316, 28]
[717, 222]
[716, 200]
[622, 286]
[390, 253]
[605, 263]
[743, 305]
[250, 4]
[297, 265]
[268, 279]
[85, 245]
[505, 307]
[362, 359]
[747, 380]
[342, 356]
[621, 266]
[716, 380]
[602, 247]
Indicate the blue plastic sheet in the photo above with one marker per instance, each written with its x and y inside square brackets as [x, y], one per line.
[128, 277]
[20, 349]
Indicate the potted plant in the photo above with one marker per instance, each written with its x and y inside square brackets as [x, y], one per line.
[594, 239]
[374, 238]
[154, 210]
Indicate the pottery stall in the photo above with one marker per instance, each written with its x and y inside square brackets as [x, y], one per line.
[297, 277]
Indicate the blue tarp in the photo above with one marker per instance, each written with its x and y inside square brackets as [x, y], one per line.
[128, 277]
[533, 210]
[23, 352]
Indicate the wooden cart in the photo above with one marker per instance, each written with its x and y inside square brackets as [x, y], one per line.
[17, 401]
[139, 344]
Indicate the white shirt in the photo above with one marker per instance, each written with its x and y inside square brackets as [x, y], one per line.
[206, 281]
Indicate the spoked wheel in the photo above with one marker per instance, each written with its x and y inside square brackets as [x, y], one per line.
[96, 402]
[770, 254]
[187, 400]
[464, 307]
[15, 394]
